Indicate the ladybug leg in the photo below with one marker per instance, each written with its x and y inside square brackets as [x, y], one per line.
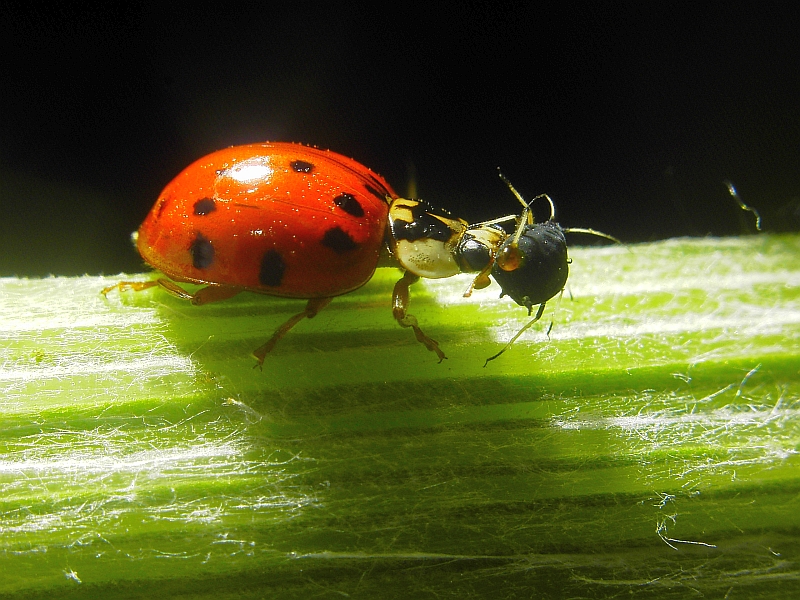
[122, 286]
[400, 299]
[211, 293]
[313, 306]
[206, 295]
[481, 281]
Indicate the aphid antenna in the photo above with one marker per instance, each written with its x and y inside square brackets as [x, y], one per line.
[528, 213]
[494, 221]
[526, 218]
[519, 197]
[591, 232]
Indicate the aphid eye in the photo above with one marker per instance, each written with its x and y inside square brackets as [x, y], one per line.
[510, 258]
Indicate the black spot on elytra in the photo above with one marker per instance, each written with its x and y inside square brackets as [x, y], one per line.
[338, 240]
[349, 204]
[202, 252]
[204, 206]
[272, 268]
[162, 204]
[301, 166]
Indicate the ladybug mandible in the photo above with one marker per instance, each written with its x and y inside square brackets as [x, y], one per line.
[289, 220]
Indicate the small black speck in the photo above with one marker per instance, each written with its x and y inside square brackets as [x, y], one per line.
[338, 240]
[202, 252]
[349, 204]
[272, 268]
[376, 193]
[204, 206]
[301, 166]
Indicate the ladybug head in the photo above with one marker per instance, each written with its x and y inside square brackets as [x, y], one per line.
[478, 246]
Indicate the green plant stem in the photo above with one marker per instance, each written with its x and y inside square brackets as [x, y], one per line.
[647, 445]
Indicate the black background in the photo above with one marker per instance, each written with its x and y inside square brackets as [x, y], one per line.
[629, 116]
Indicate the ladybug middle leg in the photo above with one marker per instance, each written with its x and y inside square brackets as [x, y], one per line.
[313, 306]
[400, 299]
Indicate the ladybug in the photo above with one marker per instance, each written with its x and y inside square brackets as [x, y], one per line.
[289, 220]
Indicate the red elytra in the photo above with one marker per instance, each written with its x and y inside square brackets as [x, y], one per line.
[276, 218]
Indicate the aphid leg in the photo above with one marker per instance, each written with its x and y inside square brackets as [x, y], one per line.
[558, 306]
[400, 298]
[519, 333]
[313, 306]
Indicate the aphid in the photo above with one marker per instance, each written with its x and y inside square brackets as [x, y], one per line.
[532, 265]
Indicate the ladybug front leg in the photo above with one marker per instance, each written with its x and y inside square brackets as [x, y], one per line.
[313, 306]
[123, 286]
[400, 299]
[211, 293]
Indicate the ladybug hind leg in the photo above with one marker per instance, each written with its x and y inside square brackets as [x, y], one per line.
[313, 306]
[400, 299]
